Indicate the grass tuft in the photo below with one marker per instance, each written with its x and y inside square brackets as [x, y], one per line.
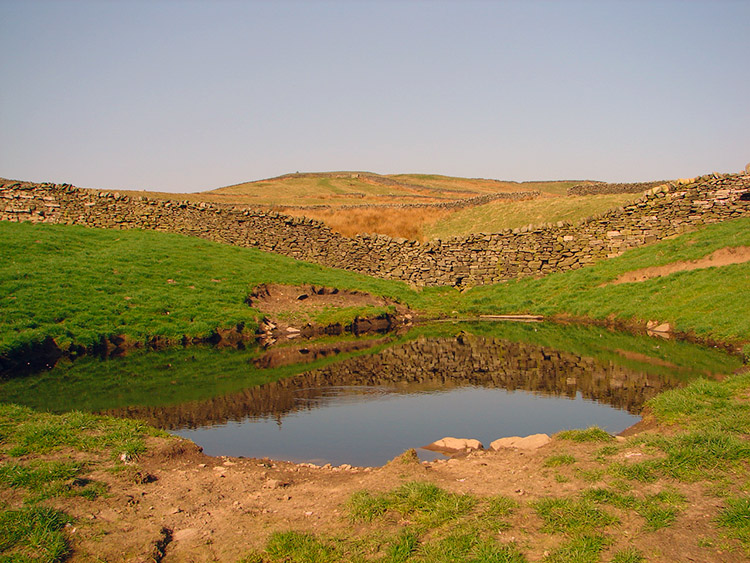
[33, 534]
[402, 548]
[735, 518]
[571, 516]
[659, 510]
[581, 549]
[629, 555]
[296, 547]
[558, 460]
[592, 434]
[469, 548]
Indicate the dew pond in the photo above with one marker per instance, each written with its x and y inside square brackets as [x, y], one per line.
[365, 400]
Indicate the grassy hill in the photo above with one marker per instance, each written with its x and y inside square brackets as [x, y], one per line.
[357, 188]
[363, 202]
[498, 215]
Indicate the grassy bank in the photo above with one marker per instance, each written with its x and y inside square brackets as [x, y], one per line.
[77, 285]
[712, 303]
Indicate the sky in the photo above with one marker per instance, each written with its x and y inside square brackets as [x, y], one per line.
[185, 96]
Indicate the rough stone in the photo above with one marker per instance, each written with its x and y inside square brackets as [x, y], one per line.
[450, 444]
[531, 442]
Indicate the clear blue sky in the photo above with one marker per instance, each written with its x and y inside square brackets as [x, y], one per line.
[186, 96]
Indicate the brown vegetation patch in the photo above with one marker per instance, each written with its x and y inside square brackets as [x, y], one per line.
[277, 298]
[291, 312]
[722, 257]
[395, 222]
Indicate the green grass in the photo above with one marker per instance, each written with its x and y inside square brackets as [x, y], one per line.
[433, 526]
[469, 548]
[425, 503]
[98, 283]
[77, 285]
[715, 423]
[558, 460]
[33, 534]
[688, 300]
[24, 432]
[629, 555]
[707, 404]
[48, 479]
[296, 547]
[735, 519]
[499, 215]
[659, 510]
[580, 549]
[571, 516]
[592, 434]
[406, 546]
[45, 456]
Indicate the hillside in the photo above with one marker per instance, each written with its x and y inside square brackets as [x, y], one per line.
[412, 206]
[676, 489]
[337, 189]
[143, 285]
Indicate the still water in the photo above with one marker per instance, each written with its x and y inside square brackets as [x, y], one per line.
[369, 426]
[364, 401]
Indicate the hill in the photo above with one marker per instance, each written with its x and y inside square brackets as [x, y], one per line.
[413, 206]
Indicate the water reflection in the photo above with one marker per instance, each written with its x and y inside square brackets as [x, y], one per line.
[428, 364]
[371, 426]
[363, 397]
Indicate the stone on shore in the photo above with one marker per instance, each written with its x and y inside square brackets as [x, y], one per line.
[453, 445]
[522, 443]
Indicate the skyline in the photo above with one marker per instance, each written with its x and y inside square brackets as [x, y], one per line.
[193, 96]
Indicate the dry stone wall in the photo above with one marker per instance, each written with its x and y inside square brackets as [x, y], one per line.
[605, 188]
[453, 204]
[463, 261]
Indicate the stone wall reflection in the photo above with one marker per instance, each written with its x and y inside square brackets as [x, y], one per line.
[427, 364]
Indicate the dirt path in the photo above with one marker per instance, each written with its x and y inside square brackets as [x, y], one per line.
[721, 257]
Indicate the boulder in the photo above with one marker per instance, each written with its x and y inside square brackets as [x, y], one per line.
[522, 443]
[453, 445]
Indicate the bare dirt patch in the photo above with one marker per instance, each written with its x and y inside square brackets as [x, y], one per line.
[721, 257]
[199, 508]
[294, 311]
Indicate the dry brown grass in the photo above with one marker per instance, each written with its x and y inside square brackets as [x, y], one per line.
[395, 222]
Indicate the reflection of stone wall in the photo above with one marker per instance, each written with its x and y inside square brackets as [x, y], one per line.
[428, 363]
[471, 260]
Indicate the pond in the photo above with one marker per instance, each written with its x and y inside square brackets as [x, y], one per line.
[363, 401]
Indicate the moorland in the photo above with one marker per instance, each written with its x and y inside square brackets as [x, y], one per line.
[81, 486]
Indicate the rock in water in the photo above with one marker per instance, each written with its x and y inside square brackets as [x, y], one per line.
[453, 445]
